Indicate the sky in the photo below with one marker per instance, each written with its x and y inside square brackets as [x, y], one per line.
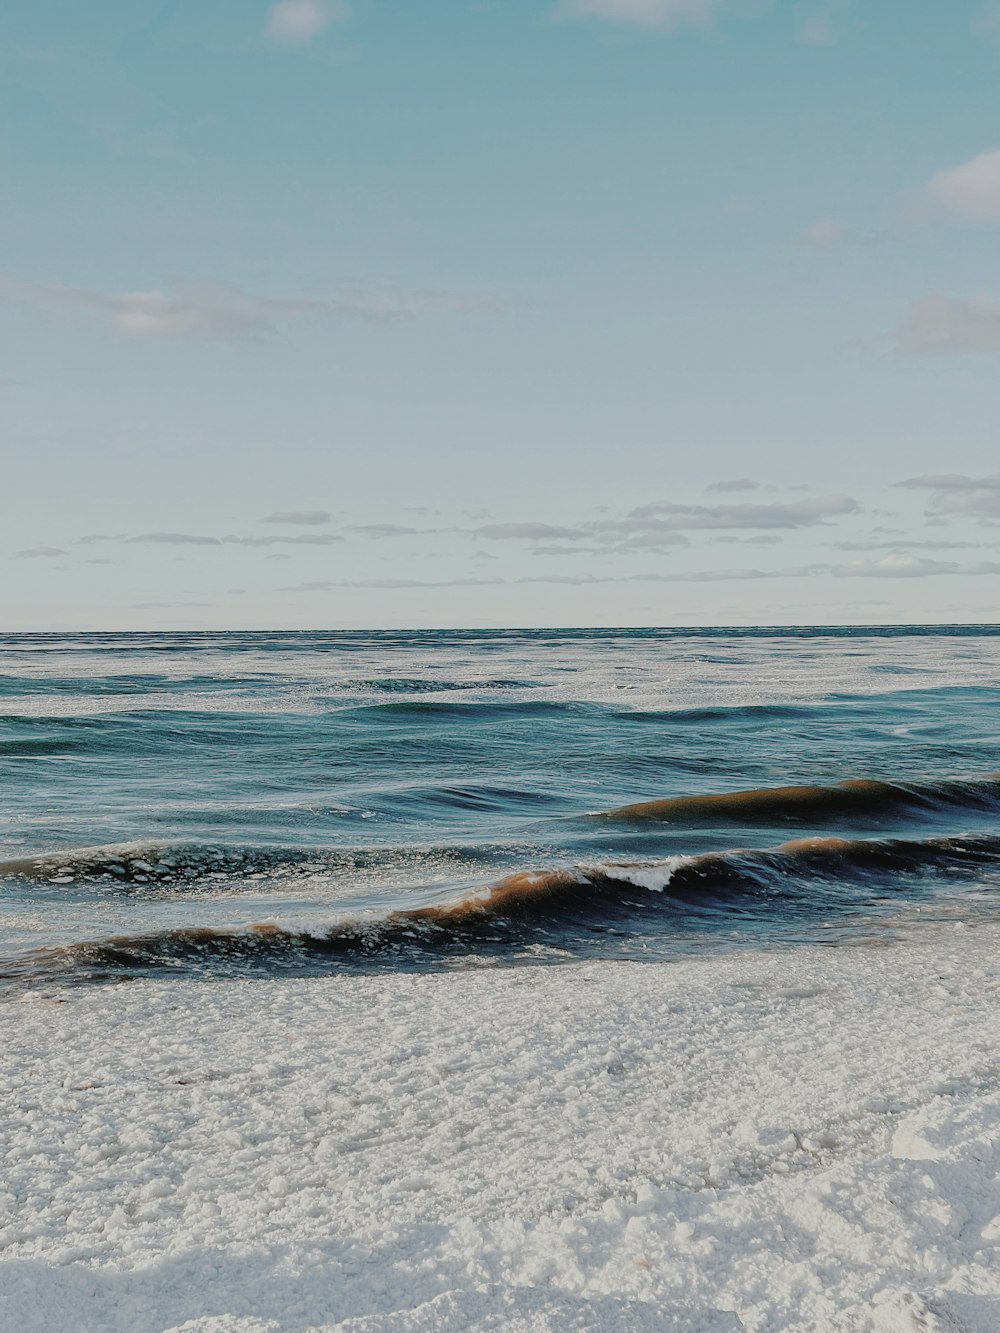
[330, 314]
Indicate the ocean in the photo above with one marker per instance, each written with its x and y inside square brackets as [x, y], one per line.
[263, 804]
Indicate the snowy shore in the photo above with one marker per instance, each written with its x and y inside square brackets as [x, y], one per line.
[804, 1139]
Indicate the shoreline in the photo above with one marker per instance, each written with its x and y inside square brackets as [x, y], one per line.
[805, 1138]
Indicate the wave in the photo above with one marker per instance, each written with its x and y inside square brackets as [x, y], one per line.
[459, 708]
[559, 907]
[718, 713]
[858, 798]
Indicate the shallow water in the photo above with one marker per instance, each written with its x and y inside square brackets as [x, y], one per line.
[212, 803]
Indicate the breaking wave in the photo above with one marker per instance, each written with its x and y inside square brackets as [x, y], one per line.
[856, 799]
[558, 908]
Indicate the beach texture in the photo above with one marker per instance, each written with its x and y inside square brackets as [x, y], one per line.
[798, 1139]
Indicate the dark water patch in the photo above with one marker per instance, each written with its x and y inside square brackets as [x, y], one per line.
[37, 748]
[417, 685]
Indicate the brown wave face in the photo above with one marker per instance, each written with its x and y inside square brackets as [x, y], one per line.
[858, 798]
[560, 906]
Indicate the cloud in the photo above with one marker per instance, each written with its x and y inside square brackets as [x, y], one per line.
[897, 565]
[567, 550]
[499, 532]
[799, 514]
[215, 312]
[986, 23]
[636, 534]
[198, 313]
[324, 585]
[694, 576]
[660, 526]
[198, 539]
[827, 234]
[904, 546]
[950, 326]
[893, 565]
[608, 535]
[953, 493]
[952, 481]
[666, 14]
[737, 484]
[296, 22]
[301, 539]
[423, 583]
[172, 539]
[40, 553]
[762, 539]
[816, 30]
[972, 190]
[375, 531]
[309, 516]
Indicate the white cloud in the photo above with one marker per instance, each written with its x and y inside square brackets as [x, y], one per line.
[950, 326]
[297, 22]
[218, 312]
[212, 312]
[896, 565]
[41, 553]
[645, 13]
[972, 190]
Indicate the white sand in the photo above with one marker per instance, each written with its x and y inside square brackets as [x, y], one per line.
[796, 1140]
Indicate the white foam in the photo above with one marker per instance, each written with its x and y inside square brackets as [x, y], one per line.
[654, 877]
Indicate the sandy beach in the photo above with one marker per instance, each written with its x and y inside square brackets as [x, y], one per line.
[797, 1139]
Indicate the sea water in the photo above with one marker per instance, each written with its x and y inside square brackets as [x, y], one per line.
[251, 803]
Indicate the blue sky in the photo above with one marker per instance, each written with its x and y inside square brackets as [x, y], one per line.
[600, 312]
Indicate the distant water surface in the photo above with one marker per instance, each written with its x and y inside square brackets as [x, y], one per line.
[300, 802]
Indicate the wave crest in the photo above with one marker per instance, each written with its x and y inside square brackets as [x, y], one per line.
[858, 798]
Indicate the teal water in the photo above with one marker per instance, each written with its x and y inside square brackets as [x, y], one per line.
[256, 801]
